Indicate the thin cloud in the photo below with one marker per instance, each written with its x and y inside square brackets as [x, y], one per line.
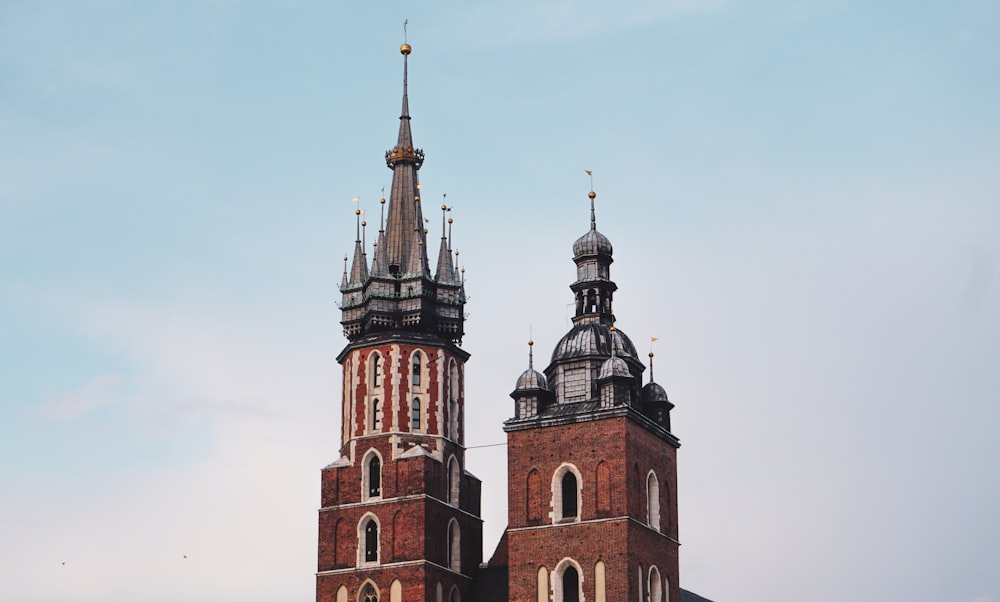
[99, 392]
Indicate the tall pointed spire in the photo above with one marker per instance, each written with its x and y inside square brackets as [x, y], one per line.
[406, 246]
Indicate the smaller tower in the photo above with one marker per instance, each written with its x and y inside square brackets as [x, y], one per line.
[532, 390]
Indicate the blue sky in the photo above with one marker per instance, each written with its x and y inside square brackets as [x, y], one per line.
[805, 205]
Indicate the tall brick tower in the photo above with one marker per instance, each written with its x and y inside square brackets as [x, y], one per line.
[400, 517]
[592, 504]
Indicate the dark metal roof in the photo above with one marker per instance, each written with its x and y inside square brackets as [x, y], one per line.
[531, 380]
[654, 392]
[593, 340]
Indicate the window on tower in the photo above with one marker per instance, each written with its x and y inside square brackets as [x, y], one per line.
[368, 593]
[565, 494]
[415, 372]
[376, 416]
[371, 541]
[374, 477]
[415, 421]
[653, 501]
[376, 370]
[569, 486]
[571, 585]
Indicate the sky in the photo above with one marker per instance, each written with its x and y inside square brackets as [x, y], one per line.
[804, 198]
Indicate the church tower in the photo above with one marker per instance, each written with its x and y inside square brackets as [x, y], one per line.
[400, 516]
[592, 496]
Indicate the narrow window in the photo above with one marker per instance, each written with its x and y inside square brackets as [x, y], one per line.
[571, 585]
[376, 416]
[653, 501]
[374, 477]
[533, 498]
[454, 547]
[569, 495]
[453, 481]
[415, 379]
[655, 591]
[376, 370]
[543, 584]
[415, 415]
[371, 543]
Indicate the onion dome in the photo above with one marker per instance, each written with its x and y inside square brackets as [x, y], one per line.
[531, 379]
[614, 367]
[593, 242]
[654, 392]
[593, 339]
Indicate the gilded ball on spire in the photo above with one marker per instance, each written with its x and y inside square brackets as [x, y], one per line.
[592, 195]
[405, 49]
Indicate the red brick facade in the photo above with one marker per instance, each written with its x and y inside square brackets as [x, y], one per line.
[614, 457]
[424, 502]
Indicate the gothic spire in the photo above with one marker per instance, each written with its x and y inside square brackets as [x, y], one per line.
[445, 269]
[359, 267]
[405, 246]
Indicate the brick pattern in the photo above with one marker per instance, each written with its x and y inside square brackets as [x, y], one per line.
[413, 506]
[613, 456]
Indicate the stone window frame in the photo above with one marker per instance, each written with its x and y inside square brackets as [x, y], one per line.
[557, 510]
[454, 481]
[557, 579]
[654, 585]
[376, 370]
[419, 359]
[454, 540]
[653, 501]
[366, 475]
[416, 412]
[367, 518]
[368, 583]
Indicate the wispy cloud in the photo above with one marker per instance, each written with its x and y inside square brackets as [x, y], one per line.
[98, 392]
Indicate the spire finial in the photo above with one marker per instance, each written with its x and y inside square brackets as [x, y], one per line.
[651, 341]
[444, 213]
[381, 222]
[612, 331]
[357, 218]
[531, 351]
[592, 195]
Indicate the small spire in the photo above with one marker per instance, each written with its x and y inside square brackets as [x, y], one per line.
[651, 341]
[343, 281]
[592, 195]
[445, 268]
[612, 331]
[531, 354]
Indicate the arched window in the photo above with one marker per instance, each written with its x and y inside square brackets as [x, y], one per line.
[368, 593]
[569, 495]
[453, 481]
[571, 585]
[342, 594]
[666, 589]
[439, 593]
[415, 371]
[543, 585]
[566, 494]
[371, 541]
[415, 421]
[375, 419]
[454, 596]
[376, 370]
[600, 583]
[567, 582]
[396, 591]
[533, 498]
[603, 487]
[642, 581]
[371, 475]
[655, 587]
[653, 501]
[454, 547]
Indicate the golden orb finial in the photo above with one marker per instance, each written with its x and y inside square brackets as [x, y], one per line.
[363, 223]
[382, 200]
[405, 49]
[357, 212]
[592, 195]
